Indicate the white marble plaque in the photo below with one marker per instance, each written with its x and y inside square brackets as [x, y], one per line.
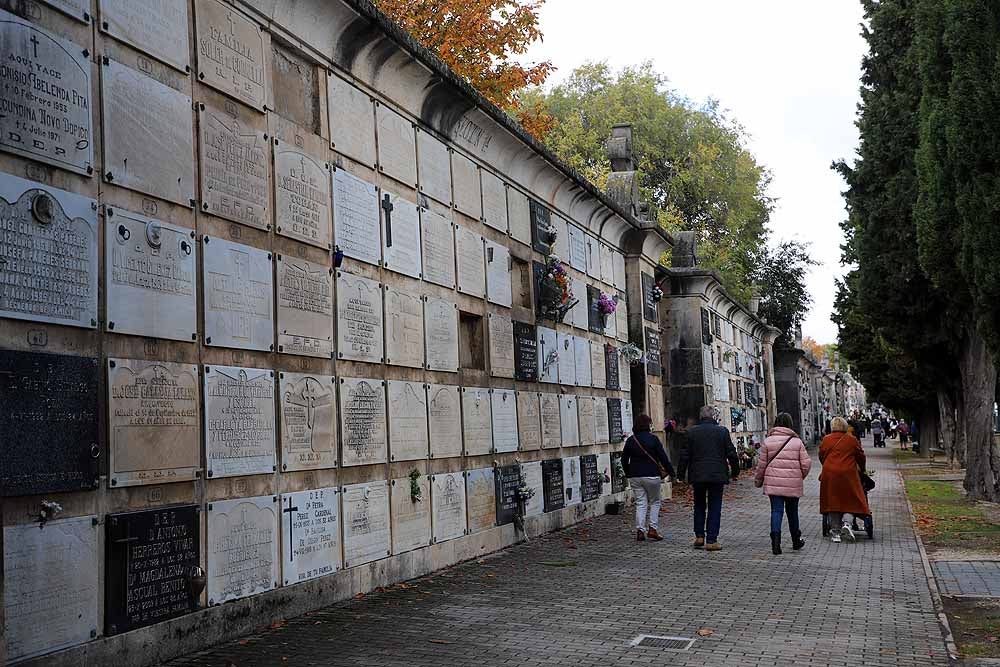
[404, 328]
[148, 134]
[397, 156]
[598, 365]
[352, 121]
[567, 359]
[356, 217]
[156, 27]
[529, 426]
[607, 265]
[611, 325]
[407, 421]
[621, 314]
[47, 105]
[234, 164]
[577, 249]
[571, 480]
[548, 355]
[604, 470]
[619, 271]
[579, 315]
[498, 289]
[624, 374]
[504, 409]
[601, 425]
[627, 417]
[401, 236]
[434, 167]
[494, 201]
[501, 342]
[587, 413]
[362, 421]
[305, 308]
[310, 534]
[550, 420]
[78, 9]
[519, 216]
[302, 199]
[480, 492]
[51, 590]
[477, 423]
[231, 53]
[448, 519]
[365, 515]
[411, 517]
[308, 421]
[531, 475]
[441, 331]
[561, 246]
[465, 180]
[470, 260]
[581, 353]
[239, 296]
[593, 257]
[444, 404]
[655, 405]
[239, 421]
[242, 548]
[359, 318]
[438, 240]
[569, 420]
[153, 415]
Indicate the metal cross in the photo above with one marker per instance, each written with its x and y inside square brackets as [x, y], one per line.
[387, 207]
[291, 543]
[34, 44]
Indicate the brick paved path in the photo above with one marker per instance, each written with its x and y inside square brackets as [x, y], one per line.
[980, 578]
[831, 604]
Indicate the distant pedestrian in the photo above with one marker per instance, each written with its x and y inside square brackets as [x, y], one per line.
[708, 460]
[646, 464]
[904, 433]
[841, 496]
[877, 433]
[782, 466]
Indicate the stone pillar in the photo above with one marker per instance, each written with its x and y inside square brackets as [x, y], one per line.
[767, 341]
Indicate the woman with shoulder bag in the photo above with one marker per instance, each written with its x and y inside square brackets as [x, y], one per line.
[646, 464]
[782, 465]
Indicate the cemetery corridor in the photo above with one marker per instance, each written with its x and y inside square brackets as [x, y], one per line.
[580, 596]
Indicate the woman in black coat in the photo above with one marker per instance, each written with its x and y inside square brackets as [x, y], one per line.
[646, 464]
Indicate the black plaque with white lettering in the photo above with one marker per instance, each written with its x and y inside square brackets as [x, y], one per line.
[648, 302]
[590, 478]
[595, 319]
[541, 232]
[507, 480]
[618, 480]
[615, 433]
[653, 366]
[525, 352]
[552, 485]
[48, 423]
[706, 328]
[611, 367]
[150, 555]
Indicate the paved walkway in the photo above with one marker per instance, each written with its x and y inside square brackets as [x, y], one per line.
[831, 604]
[979, 578]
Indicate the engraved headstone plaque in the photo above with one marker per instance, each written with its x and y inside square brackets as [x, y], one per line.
[444, 404]
[239, 421]
[615, 430]
[401, 235]
[441, 331]
[577, 248]
[598, 370]
[50, 402]
[494, 201]
[593, 257]
[619, 271]
[234, 164]
[567, 359]
[648, 302]
[239, 297]
[581, 352]
[78, 9]
[305, 308]
[159, 28]
[618, 480]
[362, 421]
[607, 265]
[359, 318]
[595, 319]
[356, 217]
[48, 254]
[611, 324]
[621, 315]
[525, 352]
[529, 426]
[540, 227]
[310, 534]
[627, 416]
[604, 470]
[601, 420]
[366, 522]
[551, 421]
[148, 557]
[590, 478]
[470, 260]
[508, 480]
[568, 416]
[653, 352]
[404, 328]
[438, 241]
[519, 216]
[480, 493]
[242, 548]
[407, 421]
[477, 425]
[654, 406]
[552, 485]
[433, 167]
[548, 355]
[572, 480]
[588, 419]
[411, 516]
[448, 519]
[706, 328]
[498, 286]
[531, 473]
[47, 104]
[561, 247]
[504, 420]
[611, 366]
[578, 314]
[51, 595]
[153, 422]
[468, 196]
[352, 121]
[231, 53]
[148, 132]
[302, 198]
[308, 421]
[397, 155]
[501, 341]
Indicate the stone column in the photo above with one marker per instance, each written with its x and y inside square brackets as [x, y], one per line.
[768, 360]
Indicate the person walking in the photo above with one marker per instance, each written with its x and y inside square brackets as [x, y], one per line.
[708, 460]
[904, 433]
[646, 464]
[841, 496]
[877, 433]
[781, 467]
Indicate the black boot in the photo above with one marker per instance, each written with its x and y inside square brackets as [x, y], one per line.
[797, 541]
[776, 544]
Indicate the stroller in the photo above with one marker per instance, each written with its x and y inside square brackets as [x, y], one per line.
[867, 483]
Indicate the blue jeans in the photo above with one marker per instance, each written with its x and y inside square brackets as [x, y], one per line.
[784, 505]
[710, 495]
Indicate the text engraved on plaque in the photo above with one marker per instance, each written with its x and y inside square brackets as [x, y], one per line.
[494, 201]
[627, 415]
[239, 300]
[505, 493]
[550, 419]
[239, 421]
[231, 53]
[552, 485]
[366, 522]
[78, 9]
[567, 358]
[310, 534]
[611, 366]
[577, 248]
[581, 353]
[548, 355]
[598, 370]
[404, 328]
[615, 432]
[234, 165]
[363, 425]
[411, 514]
[504, 409]
[590, 478]
[649, 310]
[356, 217]
[156, 27]
[302, 203]
[308, 421]
[529, 426]
[305, 308]
[569, 418]
[470, 262]
[525, 352]
[401, 235]
[441, 331]
[397, 148]
[588, 423]
[480, 495]
[242, 548]
[434, 167]
[601, 420]
[359, 318]
[498, 286]
[531, 474]
[407, 421]
[501, 342]
[448, 519]
[445, 410]
[519, 216]
[438, 241]
[477, 425]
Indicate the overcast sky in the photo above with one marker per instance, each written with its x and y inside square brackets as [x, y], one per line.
[788, 70]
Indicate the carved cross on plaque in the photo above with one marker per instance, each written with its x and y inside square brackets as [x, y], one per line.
[291, 523]
[34, 44]
[232, 28]
[387, 207]
[128, 553]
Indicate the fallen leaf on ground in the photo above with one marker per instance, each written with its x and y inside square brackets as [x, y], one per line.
[439, 641]
[705, 632]
[558, 563]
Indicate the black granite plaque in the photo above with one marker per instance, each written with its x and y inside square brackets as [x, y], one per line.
[706, 327]
[653, 366]
[611, 367]
[525, 351]
[590, 478]
[615, 433]
[618, 480]
[541, 238]
[507, 480]
[595, 320]
[150, 555]
[750, 393]
[552, 485]
[48, 423]
[648, 302]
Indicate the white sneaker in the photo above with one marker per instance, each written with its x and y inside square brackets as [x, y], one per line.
[835, 537]
[848, 532]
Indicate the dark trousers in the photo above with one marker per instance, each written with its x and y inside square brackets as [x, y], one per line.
[709, 495]
[781, 505]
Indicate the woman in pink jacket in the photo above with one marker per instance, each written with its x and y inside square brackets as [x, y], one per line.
[782, 465]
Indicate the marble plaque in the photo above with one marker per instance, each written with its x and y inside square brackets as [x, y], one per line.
[148, 133]
[234, 164]
[444, 405]
[619, 271]
[411, 517]
[308, 421]
[551, 420]
[654, 406]
[649, 309]
[239, 297]
[577, 249]
[359, 318]
[625, 376]
[627, 417]
[601, 432]
[494, 201]
[578, 314]
[587, 413]
[561, 247]
[470, 260]
[305, 308]
[529, 426]
[541, 221]
[77, 9]
[51, 589]
[433, 167]
[46, 97]
[498, 288]
[465, 181]
[653, 366]
[480, 493]
[401, 236]
[239, 421]
[553, 489]
[477, 423]
[593, 257]
[231, 53]
[362, 421]
[302, 196]
[548, 355]
[618, 480]
[448, 519]
[598, 371]
[581, 352]
[569, 418]
[438, 241]
[611, 325]
[501, 341]
[519, 216]
[407, 421]
[615, 430]
[152, 422]
[607, 265]
[48, 254]
[590, 478]
[567, 359]
[525, 352]
[441, 331]
[242, 548]
[572, 480]
[365, 516]
[604, 472]
[611, 366]
[404, 328]
[621, 315]
[356, 217]
[310, 534]
[352, 121]
[397, 156]
[531, 474]
[156, 27]
[504, 404]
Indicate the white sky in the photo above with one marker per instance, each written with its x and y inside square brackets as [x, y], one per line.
[787, 70]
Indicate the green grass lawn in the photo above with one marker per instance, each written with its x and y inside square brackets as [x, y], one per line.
[946, 519]
[975, 625]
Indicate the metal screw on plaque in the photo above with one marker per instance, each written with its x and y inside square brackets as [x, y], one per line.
[208, 341]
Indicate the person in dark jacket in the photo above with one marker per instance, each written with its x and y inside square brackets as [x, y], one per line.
[708, 461]
[643, 457]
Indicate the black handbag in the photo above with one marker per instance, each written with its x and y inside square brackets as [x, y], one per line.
[867, 483]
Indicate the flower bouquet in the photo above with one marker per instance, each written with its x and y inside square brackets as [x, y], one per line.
[631, 353]
[607, 304]
[656, 293]
[555, 290]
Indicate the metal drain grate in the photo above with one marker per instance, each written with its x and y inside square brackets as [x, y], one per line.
[663, 643]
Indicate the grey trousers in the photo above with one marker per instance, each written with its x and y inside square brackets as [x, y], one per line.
[647, 500]
[838, 519]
